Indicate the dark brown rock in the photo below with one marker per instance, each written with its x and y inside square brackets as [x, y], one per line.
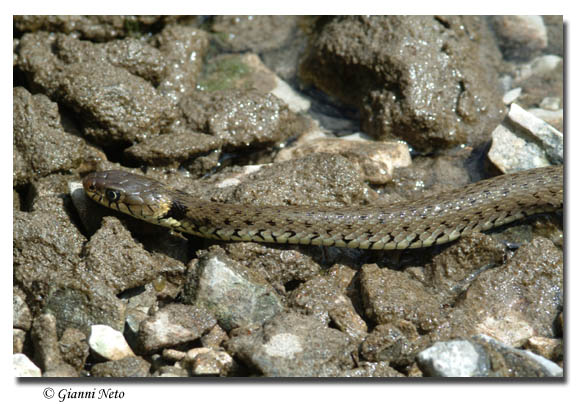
[41, 144]
[427, 80]
[391, 296]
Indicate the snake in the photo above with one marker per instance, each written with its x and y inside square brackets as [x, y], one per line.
[422, 222]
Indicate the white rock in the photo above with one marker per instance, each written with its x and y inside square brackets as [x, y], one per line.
[550, 138]
[544, 64]
[524, 141]
[550, 103]
[24, 367]
[108, 343]
[453, 359]
[512, 95]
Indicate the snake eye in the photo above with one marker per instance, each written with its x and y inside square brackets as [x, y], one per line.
[112, 195]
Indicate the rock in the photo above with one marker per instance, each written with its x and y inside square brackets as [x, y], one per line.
[549, 104]
[171, 371]
[76, 307]
[112, 104]
[132, 366]
[321, 298]
[183, 48]
[214, 338]
[376, 160]
[551, 139]
[41, 144]
[452, 271]
[511, 95]
[24, 367]
[208, 362]
[18, 340]
[108, 343]
[293, 345]
[97, 27]
[391, 296]
[372, 369]
[549, 348]
[74, 348]
[174, 147]
[241, 117]
[515, 301]
[255, 33]
[113, 256]
[174, 324]
[59, 283]
[392, 69]
[21, 317]
[521, 36]
[235, 295]
[45, 340]
[62, 370]
[553, 118]
[459, 358]
[510, 362]
[242, 71]
[392, 343]
[524, 141]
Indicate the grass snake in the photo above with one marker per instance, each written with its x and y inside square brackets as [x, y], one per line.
[419, 223]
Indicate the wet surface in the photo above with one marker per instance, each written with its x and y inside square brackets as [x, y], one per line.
[131, 93]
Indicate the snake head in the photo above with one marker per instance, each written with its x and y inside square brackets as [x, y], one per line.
[132, 194]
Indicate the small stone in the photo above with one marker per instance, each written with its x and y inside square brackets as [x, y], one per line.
[520, 35]
[108, 343]
[132, 366]
[171, 371]
[511, 95]
[321, 297]
[551, 138]
[553, 118]
[18, 340]
[524, 141]
[74, 348]
[545, 64]
[550, 104]
[45, 340]
[207, 361]
[507, 361]
[21, 317]
[394, 343]
[214, 338]
[543, 346]
[173, 355]
[174, 324]
[24, 367]
[457, 358]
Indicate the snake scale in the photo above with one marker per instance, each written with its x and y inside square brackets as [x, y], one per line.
[419, 223]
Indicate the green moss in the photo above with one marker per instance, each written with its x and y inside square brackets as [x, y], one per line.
[224, 73]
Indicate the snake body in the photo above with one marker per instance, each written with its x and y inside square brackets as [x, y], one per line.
[423, 222]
